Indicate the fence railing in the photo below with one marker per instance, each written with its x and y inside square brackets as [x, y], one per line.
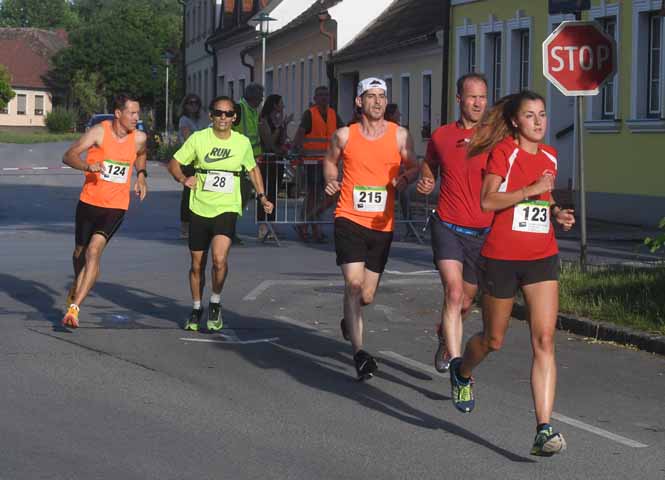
[296, 188]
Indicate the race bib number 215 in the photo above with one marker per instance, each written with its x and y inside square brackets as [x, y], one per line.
[369, 199]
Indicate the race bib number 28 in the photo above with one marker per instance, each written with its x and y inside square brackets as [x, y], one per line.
[115, 172]
[220, 182]
[369, 199]
[532, 217]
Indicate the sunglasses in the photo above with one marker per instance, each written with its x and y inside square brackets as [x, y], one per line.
[224, 113]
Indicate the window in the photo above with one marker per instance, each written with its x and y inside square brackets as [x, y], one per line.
[469, 54]
[495, 56]
[241, 88]
[404, 107]
[426, 129]
[293, 87]
[389, 84]
[323, 80]
[221, 85]
[310, 77]
[39, 104]
[524, 60]
[279, 80]
[205, 87]
[287, 97]
[269, 82]
[21, 104]
[646, 67]
[188, 28]
[303, 92]
[231, 91]
[653, 77]
[607, 94]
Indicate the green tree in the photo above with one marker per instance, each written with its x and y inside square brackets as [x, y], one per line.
[6, 92]
[88, 92]
[121, 41]
[37, 13]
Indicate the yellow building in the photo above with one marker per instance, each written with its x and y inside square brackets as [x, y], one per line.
[624, 129]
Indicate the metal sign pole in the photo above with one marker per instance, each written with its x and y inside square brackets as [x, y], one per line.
[579, 125]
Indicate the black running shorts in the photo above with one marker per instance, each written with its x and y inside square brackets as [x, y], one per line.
[502, 278]
[355, 243]
[203, 229]
[448, 244]
[91, 220]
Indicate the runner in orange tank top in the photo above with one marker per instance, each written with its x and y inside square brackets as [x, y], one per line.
[373, 151]
[113, 150]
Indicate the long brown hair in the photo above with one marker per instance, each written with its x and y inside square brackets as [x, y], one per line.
[497, 123]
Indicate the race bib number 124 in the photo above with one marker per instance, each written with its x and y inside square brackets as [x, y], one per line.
[115, 172]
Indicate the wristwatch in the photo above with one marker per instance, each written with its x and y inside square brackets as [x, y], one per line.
[259, 196]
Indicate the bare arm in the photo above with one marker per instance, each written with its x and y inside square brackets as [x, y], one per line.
[72, 156]
[408, 154]
[491, 199]
[176, 172]
[141, 186]
[257, 180]
[331, 160]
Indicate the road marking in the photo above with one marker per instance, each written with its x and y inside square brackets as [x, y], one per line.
[413, 363]
[230, 340]
[266, 284]
[598, 431]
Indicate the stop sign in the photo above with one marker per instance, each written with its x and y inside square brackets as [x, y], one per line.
[578, 57]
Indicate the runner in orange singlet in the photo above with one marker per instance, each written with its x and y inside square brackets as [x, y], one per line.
[114, 148]
[373, 150]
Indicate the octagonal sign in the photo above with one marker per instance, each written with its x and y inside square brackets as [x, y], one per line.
[578, 57]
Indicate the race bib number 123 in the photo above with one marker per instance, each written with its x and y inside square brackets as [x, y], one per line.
[532, 216]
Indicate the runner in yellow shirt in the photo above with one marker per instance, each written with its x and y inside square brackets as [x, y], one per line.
[219, 155]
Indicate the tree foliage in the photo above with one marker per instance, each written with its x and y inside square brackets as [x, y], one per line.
[6, 92]
[37, 14]
[89, 92]
[121, 41]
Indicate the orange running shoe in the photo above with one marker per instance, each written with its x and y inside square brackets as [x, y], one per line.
[71, 318]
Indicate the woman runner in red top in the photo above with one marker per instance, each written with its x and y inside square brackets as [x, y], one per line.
[520, 252]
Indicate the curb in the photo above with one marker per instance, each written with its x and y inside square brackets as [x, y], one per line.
[603, 331]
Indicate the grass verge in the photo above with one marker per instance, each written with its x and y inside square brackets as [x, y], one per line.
[36, 137]
[627, 296]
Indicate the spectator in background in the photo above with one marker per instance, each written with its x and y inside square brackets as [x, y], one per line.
[248, 125]
[313, 139]
[190, 122]
[272, 131]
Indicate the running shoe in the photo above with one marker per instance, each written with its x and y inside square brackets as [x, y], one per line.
[442, 356]
[215, 322]
[71, 318]
[365, 365]
[345, 331]
[547, 443]
[192, 323]
[461, 391]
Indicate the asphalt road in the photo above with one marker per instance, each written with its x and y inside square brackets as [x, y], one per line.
[131, 396]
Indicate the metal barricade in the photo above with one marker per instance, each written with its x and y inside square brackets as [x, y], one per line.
[296, 188]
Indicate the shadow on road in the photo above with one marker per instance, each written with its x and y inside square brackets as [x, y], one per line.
[318, 362]
[37, 296]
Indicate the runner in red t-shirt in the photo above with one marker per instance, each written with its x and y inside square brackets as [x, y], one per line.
[520, 252]
[459, 226]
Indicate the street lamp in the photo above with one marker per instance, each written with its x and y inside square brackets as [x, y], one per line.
[263, 20]
[168, 56]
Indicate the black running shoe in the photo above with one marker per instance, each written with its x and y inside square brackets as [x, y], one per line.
[345, 331]
[365, 365]
[192, 323]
